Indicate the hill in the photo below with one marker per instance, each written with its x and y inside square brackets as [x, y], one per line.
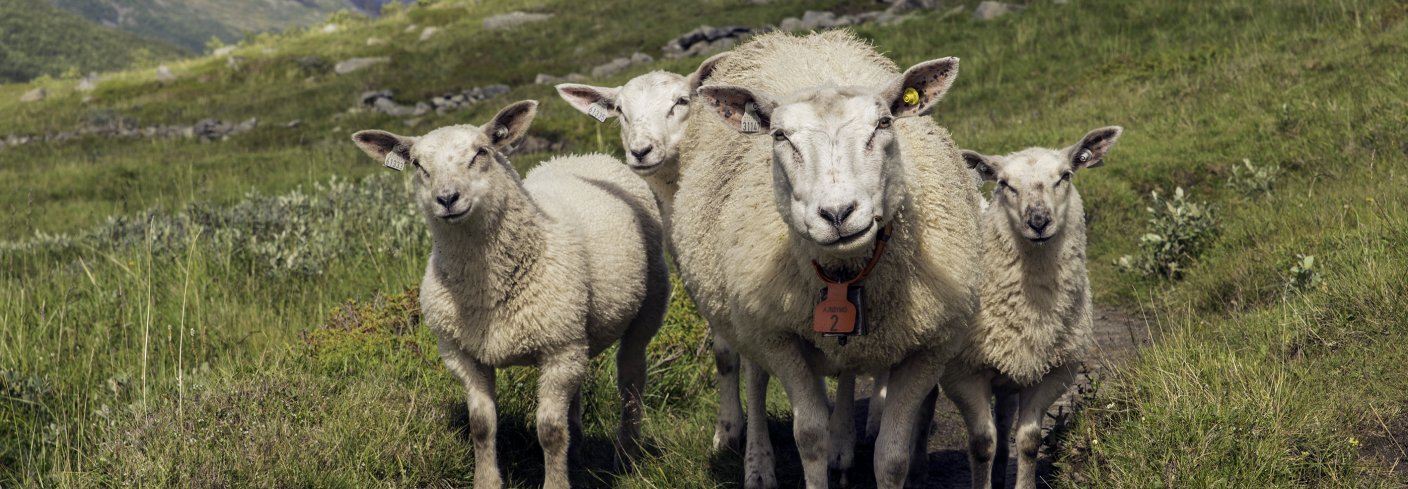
[192, 23]
[37, 39]
[239, 310]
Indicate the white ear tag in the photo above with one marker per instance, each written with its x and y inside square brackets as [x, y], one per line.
[749, 123]
[394, 161]
[598, 112]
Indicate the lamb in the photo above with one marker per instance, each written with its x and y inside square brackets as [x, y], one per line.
[1035, 320]
[823, 129]
[653, 110]
[547, 270]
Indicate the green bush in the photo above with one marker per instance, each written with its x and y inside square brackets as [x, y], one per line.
[1179, 232]
[1251, 180]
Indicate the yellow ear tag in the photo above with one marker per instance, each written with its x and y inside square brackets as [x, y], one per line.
[911, 96]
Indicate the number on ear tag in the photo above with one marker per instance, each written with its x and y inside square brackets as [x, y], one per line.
[749, 122]
[841, 311]
[394, 161]
[598, 112]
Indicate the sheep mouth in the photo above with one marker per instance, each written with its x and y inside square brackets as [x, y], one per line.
[644, 169]
[455, 216]
[1040, 239]
[853, 237]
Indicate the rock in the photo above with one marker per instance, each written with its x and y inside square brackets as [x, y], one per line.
[513, 19]
[210, 129]
[905, 6]
[641, 58]
[611, 68]
[312, 64]
[375, 41]
[790, 24]
[988, 10]
[421, 109]
[164, 74]
[412, 122]
[546, 79]
[293, 123]
[34, 95]
[222, 51]
[411, 28]
[812, 19]
[354, 64]
[234, 62]
[492, 91]
[538, 144]
[246, 126]
[577, 78]
[330, 28]
[428, 33]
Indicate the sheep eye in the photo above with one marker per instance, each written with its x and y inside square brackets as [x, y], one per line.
[682, 101]
[885, 122]
[778, 135]
[1065, 176]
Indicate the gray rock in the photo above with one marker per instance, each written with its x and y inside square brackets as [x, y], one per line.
[546, 79]
[293, 123]
[354, 64]
[369, 98]
[513, 19]
[790, 24]
[812, 19]
[905, 6]
[577, 77]
[641, 58]
[164, 74]
[989, 10]
[330, 28]
[391, 108]
[411, 28]
[439, 101]
[538, 144]
[611, 68]
[428, 33]
[34, 95]
[492, 91]
[222, 51]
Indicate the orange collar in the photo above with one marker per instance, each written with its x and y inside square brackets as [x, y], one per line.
[880, 242]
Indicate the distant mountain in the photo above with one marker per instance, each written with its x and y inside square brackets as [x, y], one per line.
[191, 23]
[38, 39]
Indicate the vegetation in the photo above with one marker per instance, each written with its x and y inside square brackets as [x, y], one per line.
[279, 325]
[192, 23]
[37, 39]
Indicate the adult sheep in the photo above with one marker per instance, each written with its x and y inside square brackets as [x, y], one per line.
[653, 110]
[1036, 315]
[547, 270]
[819, 154]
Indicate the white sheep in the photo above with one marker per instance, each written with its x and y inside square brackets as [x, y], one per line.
[1035, 320]
[548, 270]
[653, 110]
[819, 152]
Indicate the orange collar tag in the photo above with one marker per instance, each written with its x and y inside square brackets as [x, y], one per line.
[834, 314]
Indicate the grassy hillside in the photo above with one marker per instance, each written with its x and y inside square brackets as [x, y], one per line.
[191, 23]
[255, 296]
[37, 39]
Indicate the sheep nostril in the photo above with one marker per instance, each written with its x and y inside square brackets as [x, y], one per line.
[837, 215]
[640, 154]
[448, 200]
[1038, 222]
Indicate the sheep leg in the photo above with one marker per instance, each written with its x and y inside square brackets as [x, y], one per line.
[758, 465]
[910, 381]
[919, 459]
[630, 383]
[574, 426]
[1033, 404]
[729, 430]
[972, 394]
[807, 393]
[1006, 415]
[877, 406]
[559, 382]
[842, 446]
[479, 384]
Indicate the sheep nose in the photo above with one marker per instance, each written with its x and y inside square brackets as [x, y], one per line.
[448, 200]
[837, 214]
[640, 154]
[1038, 222]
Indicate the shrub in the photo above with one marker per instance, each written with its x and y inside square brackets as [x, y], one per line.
[1303, 275]
[1179, 232]
[1251, 180]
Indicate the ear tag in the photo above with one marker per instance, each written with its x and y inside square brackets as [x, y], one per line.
[840, 311]
[394, 161]
[749, 122]
[598, 112]
[911, 96]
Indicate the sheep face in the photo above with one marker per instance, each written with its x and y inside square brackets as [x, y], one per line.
[837, 173]
[459, 170]
[1034, 186]
[652, 109]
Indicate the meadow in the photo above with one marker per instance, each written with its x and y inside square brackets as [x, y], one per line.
[242, 312]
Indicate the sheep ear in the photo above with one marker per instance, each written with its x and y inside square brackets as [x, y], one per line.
[1090, 151]
[510, 124]
[380, 144]
[696, 79]
[598, 102]
[985, 166]
[739, 107]
[921, 87]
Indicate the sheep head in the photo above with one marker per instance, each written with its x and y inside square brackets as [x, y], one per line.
[652, 109]
[1034, 186]
[458, 169]
[837, 168]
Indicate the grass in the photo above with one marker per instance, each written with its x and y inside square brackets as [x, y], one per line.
[150, 352]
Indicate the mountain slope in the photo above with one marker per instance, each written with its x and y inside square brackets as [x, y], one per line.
[37, 39]
[190, 23]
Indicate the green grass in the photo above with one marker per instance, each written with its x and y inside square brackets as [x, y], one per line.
[134, 352]
[37, 39]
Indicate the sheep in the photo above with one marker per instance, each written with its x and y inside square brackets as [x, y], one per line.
[548, 270]
[1035, 318]
[823, 129]
[653, 110]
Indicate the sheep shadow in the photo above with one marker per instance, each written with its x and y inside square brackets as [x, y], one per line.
[521, 457]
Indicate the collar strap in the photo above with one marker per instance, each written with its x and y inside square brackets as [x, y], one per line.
[880, 242]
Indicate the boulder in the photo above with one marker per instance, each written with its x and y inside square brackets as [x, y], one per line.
[989, 10]
[34, 95]
[611, 68]
[429, 32]
[513, 19]
[355, 64]
[164, 74]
